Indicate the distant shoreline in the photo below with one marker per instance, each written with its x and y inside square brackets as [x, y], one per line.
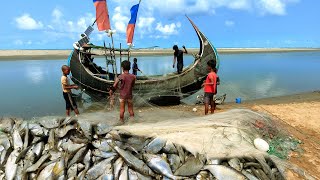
[63, 54]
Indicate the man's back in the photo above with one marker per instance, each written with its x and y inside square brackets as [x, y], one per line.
[179, 55]
[126, 86]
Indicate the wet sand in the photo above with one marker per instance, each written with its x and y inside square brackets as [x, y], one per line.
[63, 54]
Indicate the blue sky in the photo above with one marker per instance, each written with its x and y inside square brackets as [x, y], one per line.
[57, 24]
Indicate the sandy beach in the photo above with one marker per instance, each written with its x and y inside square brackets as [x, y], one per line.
[63, 54]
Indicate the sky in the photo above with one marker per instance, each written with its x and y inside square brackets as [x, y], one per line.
[35, 24]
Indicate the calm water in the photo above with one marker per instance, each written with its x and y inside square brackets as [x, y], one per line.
[32, 88]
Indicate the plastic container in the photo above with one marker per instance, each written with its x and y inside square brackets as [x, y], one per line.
[238, 100]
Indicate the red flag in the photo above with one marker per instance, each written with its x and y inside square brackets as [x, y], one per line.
[102, 15]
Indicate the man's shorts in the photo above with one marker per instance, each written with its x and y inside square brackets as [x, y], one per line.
[179, 68]
[209, 97]
[70, 102]
[125, 100]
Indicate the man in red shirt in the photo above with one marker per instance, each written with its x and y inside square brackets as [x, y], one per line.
[210, 87]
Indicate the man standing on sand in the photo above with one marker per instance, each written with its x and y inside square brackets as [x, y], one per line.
[178, 56]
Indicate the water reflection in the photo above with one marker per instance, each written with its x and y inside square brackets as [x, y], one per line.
[35, 73]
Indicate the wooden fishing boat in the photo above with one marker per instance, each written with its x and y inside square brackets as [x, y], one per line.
[164, 88]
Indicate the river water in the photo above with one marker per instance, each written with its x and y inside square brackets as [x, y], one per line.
[31, 88]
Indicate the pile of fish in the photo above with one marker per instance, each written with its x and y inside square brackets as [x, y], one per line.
[66, 148]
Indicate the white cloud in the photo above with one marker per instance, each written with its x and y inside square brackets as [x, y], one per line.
[272, 6]
[168, 29]
[229, 23]
[57, 14]
[18, 42]
[145, 24]
[26, 22]
[119, 20]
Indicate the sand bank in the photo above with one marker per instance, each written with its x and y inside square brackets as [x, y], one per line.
[63, 54]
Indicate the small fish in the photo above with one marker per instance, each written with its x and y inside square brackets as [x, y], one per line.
[58, 169]
[46, 173]
[26, 136]
[64, 130]
[17, 140]
[11, 166]
[51, 123]
[6, 124]
[37, 149]
[35, 166]
[124, 174]
[223, 172]
[4, 141]
[159, 165]
[71, 147]
[108, 173]
[102, 145]
[117, 167]
[133, 161]
[72, 171]
[133, 175]
[79, 156]
[101, 128]
[265, 167]
[36, 130]
[203, 175]
[103, 154]
[181, 153]
[96, 170]
[80, 167]
[235, 164]
[155, 146]
[87, 159]
[79, 140]
[169, 148]
[249, 175]
[86, 128]
[174, 161]
[51, 139]
[191, 167]
[96, 159]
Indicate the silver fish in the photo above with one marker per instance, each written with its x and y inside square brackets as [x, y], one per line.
[159, 165]
[51, 123]
[223, 172]
[249, 175]
[117, 167]
[235, 164]
[20, 175]
[133, 162]
[96, 159]
[3, 156]
[191, 167]
[51, 139]
[36, 130]
[80, 167]
[181, 153]
[26, 136]
[46, 173]
[169, 148]
[59, 168]
[71, 147]
[17, 140]
[37, 149]
[86, 128]
[6, 125]
[124, 174]
[64, 130]
[78, 156]
[11, 166]
[103, 154]
[54, 154]
[4, 141]
[174, 161]
[102, 145]
[108, 173]
[101, 129]
[133, 175]
[97, 170]
[72, 171]
[155, 145]
[87, 159]
[265, 167]
[203, 175]
[35, 166]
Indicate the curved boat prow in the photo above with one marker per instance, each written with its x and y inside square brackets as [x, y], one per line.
[207, 50]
